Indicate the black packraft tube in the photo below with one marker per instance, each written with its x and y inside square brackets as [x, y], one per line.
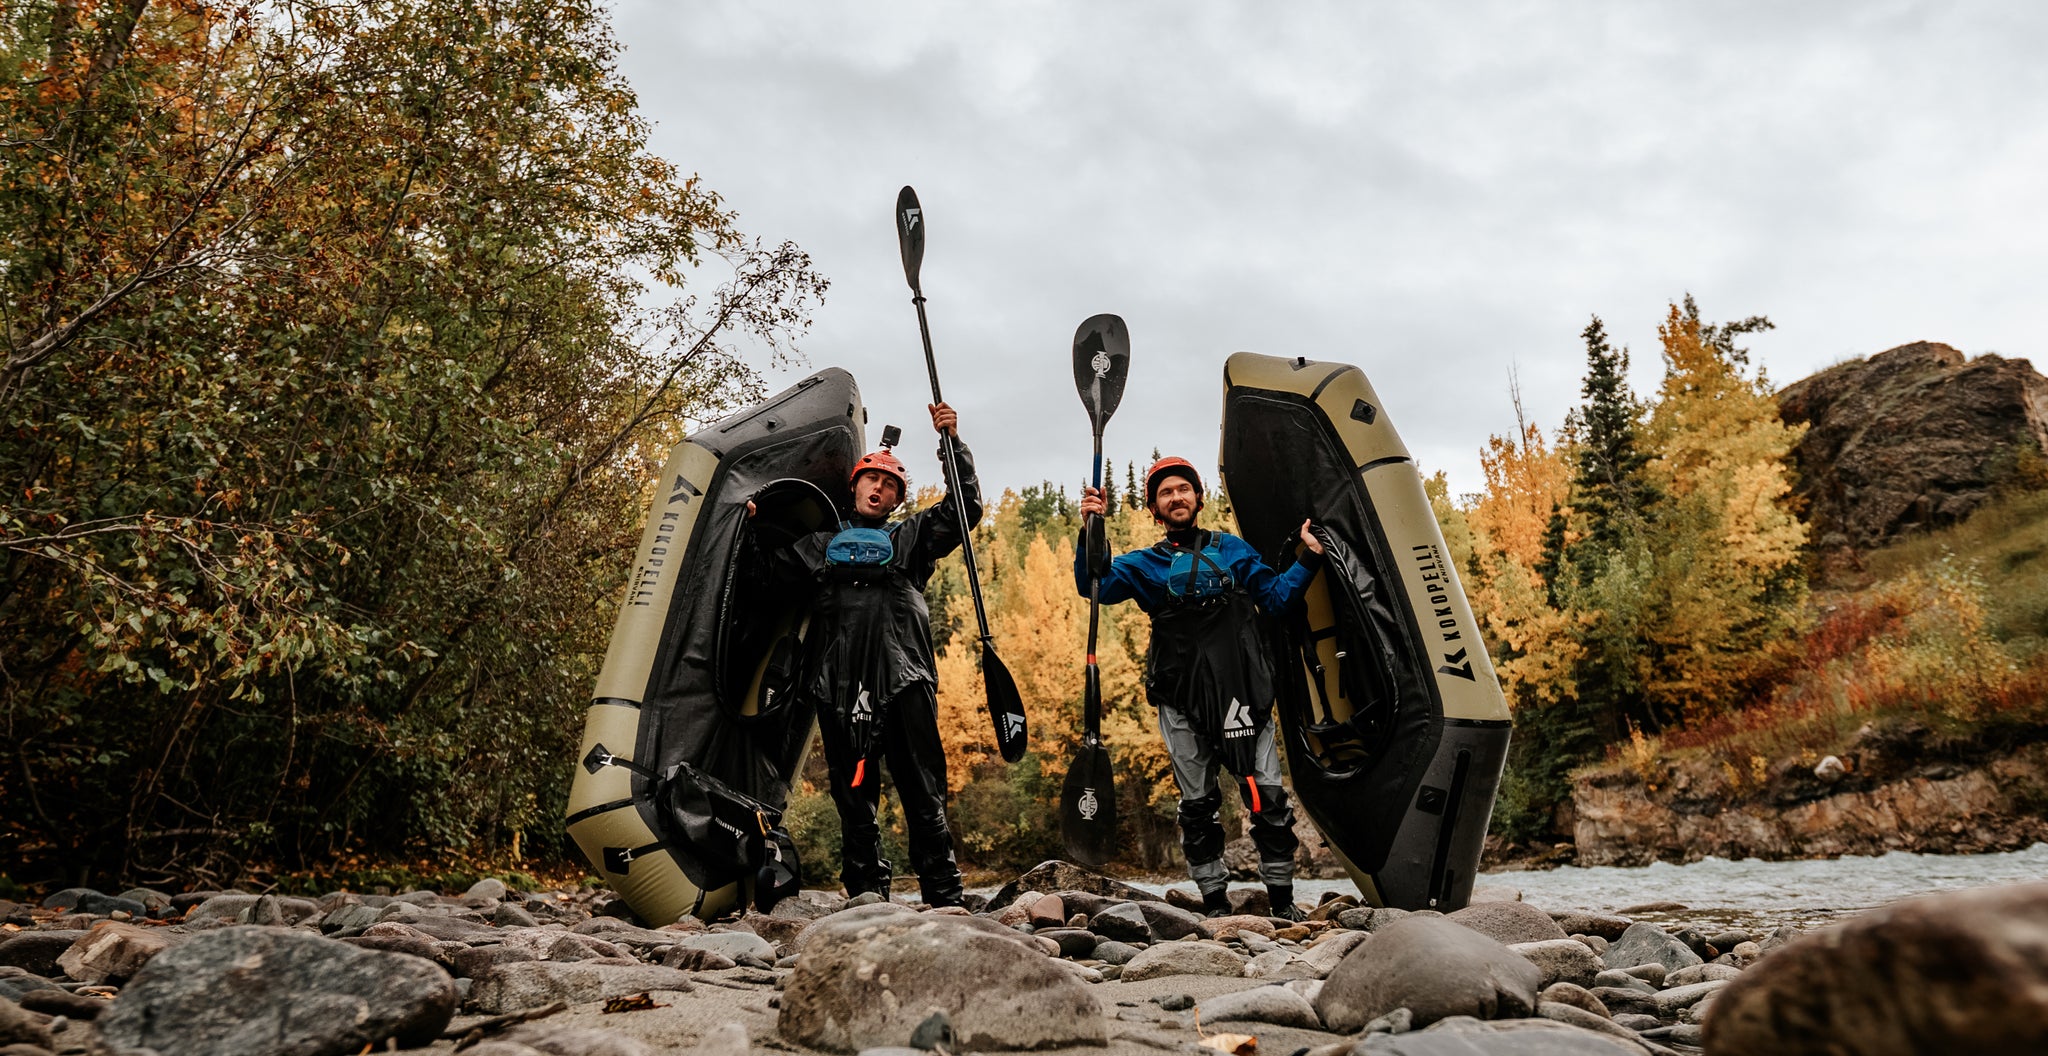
[691, 740]
[1395, 724]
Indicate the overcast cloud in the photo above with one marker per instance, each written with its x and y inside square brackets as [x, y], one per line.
[1441, 194]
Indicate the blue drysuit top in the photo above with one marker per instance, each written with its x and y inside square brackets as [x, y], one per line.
[1141, 574]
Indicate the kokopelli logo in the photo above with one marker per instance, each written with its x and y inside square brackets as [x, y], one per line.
[1013, 725]
[910, 219]
[862, 710]
[1101, 364]
[1088, 804]
[1237, 719]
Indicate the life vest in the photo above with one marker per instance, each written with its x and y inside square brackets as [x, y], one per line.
[857, 547]
[1196, 575]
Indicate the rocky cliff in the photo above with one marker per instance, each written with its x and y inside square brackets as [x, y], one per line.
[1896, 791]
[1917, 436]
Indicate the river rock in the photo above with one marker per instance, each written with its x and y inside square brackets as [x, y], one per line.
[695, 960]
[1167, 923]
[1466, 1036]
[1700, 973]
[1183, 958]
[1073, 942]
[1250, 902]
[63, 1003]
[1584, 1020]
[1369, 919]
[552, 1039]
[1648, 944]
[1124, 922]
[1509, 922]
[1575, 995]
[258, 991]
[1329, 907]
[16, 982]
[1109, 951]
[1604, 925]
[1050, 911]
[1226, 927]
[738, 945]
[476, 960]
[1064, 876]
[871, 981]
[351, 919]
[1261, 1004]
[1620, 1001]
[20, 1026]
[36, 952]
[1279, 965]
[112, 952]
[1325, 955]
[1964, 971]
[531, 984]
[508, 915]
[1434, 968]
[1671, 1000]
[1562, 960]
[847, 917]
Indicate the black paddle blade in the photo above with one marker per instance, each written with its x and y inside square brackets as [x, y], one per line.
[1102, 360]
[1005, 704]
[910, 233]
[1088, 808]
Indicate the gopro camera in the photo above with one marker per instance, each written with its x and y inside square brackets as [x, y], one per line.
[891, 434]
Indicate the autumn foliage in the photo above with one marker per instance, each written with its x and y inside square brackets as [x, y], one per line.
[1640, 570]
[332, 379]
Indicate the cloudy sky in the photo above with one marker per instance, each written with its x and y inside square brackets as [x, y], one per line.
[1442, 193]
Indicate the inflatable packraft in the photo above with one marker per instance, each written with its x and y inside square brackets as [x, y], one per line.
[1395, 725]
[692, 738]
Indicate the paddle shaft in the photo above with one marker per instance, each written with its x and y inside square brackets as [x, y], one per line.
[950, 464]
[1091, 701]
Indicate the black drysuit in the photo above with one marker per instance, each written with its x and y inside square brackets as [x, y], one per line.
[867, 664]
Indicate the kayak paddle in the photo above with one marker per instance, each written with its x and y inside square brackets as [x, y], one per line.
[1102, 360]
[1005, 704]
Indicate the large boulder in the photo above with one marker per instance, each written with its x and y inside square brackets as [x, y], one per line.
[869, 980]
[1432, 967]
[1965, 971]
[1915, 436]
[262, 991]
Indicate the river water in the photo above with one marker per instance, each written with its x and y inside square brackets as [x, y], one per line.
[1748, 893]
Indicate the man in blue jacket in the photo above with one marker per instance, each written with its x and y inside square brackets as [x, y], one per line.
[1209, 675]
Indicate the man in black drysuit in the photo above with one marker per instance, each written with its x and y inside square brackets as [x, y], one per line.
[867, 664]
[1209, 675]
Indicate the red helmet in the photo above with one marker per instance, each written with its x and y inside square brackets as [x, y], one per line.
[1171, 467]
[883, 461]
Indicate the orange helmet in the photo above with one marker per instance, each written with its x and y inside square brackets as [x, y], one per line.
[884, 462]
[1171, 466]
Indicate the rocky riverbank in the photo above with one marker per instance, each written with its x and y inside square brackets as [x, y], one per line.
[1060, 959]
[1890, 790]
